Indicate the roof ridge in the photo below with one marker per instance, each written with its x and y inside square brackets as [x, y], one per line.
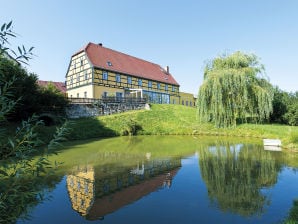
[119, 52]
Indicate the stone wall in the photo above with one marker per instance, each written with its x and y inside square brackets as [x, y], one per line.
[92, 110]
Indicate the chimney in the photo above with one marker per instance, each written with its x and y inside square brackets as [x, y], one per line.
[168, 69]
[100, 44]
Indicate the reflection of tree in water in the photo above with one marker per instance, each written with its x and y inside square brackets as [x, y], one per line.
[234, 176]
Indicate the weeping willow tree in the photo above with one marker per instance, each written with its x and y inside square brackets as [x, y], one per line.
[235, 177]
[234, 88]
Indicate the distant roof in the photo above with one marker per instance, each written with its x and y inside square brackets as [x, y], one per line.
[109, 59]
[59, 85]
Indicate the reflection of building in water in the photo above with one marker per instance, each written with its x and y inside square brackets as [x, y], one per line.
[80, 188]
[95, 194]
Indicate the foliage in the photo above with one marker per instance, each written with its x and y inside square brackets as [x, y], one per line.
[32, 98]
[234, 87]
[22, 54]
[21, 175]
[235, 177]
[293, 215]
[50, 98]
[130, 126]
[292, 114]
[285, 108]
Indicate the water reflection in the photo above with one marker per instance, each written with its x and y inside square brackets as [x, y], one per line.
[97, 191]
[236, 174]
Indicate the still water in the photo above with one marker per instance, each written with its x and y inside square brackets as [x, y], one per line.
[169, 179]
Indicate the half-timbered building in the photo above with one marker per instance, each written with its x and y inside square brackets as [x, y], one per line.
[96, 72]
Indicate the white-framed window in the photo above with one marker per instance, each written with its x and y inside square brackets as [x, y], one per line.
[105, 75]
[118, 78]
[139, 82]
[71, 80]
[82, 62]
[166, 87]
[158, 85]
[85, 94]
[109, 63]
[86, 75]
[173, 89]
[78, 77]
[149, 84]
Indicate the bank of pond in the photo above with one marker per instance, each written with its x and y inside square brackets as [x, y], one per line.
[167, 179]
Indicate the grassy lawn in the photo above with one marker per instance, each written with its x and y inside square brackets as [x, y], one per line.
[165, 119]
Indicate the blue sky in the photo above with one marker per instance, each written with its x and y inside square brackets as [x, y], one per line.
[181, 34]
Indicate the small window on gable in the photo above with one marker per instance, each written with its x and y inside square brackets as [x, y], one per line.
[109, 63]
[86, 75]
[81, 62]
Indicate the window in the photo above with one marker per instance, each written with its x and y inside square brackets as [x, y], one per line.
[74, 65]
[85, 94]
[118, 78]
[166, 87]
[118, 95]
[173, 88]
[105, 75]
[81, 62]
[149, 84]
[140, 82]
[129, 80]
[109, 63]
[158, 85]
[186, 103]
[104, 94]
[182, 102]
[78, 77]
[71, 80]
[78, 95]
[86, 75]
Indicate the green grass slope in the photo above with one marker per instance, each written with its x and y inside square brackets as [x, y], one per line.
[168, 119]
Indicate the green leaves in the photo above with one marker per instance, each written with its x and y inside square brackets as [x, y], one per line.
[22, 55]
[234, 88]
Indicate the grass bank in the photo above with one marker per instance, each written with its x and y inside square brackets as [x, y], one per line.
[167, 119]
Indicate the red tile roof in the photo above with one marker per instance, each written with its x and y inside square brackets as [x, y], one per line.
[59, 85]
[99, 56]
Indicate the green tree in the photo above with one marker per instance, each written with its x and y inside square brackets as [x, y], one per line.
[234, 87]
[21, 177]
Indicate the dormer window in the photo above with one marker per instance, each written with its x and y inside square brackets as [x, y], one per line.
[109, 63]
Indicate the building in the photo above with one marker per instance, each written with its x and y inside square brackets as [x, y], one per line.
[59, 85]
[96, 72]
[187, 99]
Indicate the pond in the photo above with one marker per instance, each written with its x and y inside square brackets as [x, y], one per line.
[169, 179]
